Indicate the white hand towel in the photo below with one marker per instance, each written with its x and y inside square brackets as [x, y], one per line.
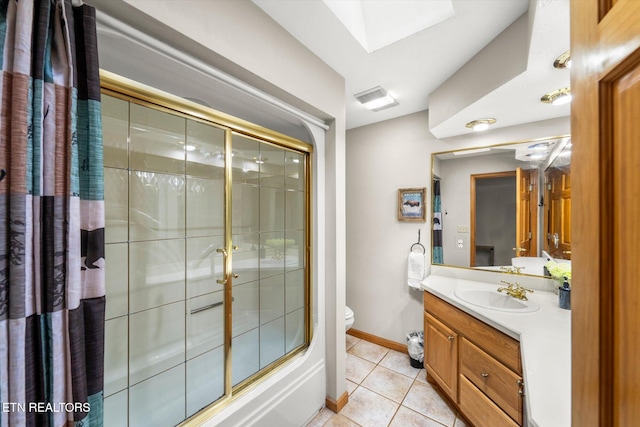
[415, 269]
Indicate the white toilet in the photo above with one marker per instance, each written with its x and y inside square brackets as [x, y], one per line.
[348, 318]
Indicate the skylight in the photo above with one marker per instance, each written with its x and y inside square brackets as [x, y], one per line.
[379, 23]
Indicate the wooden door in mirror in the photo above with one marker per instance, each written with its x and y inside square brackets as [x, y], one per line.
[557, 213]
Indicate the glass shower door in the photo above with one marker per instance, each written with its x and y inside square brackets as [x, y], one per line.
[268, 231]
[205, 181]
[206, 251]
[164, 205]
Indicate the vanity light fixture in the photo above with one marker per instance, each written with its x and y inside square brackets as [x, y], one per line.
[557, 97]
[480, 124]
[563, 61]
[376, 99]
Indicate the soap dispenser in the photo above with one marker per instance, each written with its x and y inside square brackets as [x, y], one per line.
[564, 295]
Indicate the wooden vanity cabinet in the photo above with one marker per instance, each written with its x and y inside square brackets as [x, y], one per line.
[441, 355]
[477, 366]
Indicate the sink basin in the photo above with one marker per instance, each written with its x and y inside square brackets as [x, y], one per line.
[494, 300]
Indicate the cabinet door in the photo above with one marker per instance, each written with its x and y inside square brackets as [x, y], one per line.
[441, 355]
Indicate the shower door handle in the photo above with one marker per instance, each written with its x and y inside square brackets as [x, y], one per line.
[224, 281]
[224, 252]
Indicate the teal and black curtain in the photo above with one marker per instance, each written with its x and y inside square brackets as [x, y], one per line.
[52, 291]
[436, 239]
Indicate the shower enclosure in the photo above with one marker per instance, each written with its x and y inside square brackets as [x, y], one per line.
[207, 252]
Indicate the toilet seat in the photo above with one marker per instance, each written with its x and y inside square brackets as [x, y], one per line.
[348, 313]
[348, 318]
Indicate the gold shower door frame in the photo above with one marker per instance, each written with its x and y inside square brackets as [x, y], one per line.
[128, 90]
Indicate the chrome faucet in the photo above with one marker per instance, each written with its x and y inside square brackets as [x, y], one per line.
[515, 290]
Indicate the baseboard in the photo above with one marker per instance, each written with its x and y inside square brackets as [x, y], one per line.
[336, 406]
[402, 348]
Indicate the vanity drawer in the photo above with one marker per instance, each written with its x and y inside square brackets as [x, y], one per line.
[479, 409]
[499, 345]
[498, 382]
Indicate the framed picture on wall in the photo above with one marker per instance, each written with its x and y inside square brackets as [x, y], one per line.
[411, 204]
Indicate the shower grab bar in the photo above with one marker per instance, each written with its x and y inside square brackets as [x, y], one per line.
[206, 307]
[210, 306]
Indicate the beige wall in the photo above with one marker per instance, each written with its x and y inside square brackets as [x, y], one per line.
[381, 158]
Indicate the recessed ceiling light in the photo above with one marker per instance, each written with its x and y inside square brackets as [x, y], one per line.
[260, 160]
[557, 97]
[563, 61]
[376, 99]
[480, 124]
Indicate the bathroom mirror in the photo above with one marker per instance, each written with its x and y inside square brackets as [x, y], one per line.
[501, 206]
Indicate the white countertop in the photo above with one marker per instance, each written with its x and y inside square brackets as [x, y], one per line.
[545, 344]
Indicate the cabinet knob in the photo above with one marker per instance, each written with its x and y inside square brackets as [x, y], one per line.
[484, 374]
[451, 337]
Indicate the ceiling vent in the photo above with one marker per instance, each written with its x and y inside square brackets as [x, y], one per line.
[376, 99]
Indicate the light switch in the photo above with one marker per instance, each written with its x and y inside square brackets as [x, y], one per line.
[463, 229]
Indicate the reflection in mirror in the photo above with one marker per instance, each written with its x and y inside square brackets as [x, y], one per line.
[503, 207]
[557, 207]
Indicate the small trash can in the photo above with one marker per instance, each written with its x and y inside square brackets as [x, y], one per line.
[415, 346]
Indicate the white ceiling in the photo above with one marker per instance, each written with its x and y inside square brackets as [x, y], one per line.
[413, 67]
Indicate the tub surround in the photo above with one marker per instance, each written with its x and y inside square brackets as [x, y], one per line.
[544, 335]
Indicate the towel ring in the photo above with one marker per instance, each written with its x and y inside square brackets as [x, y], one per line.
[424, 250]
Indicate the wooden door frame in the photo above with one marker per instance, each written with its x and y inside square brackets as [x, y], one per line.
[604, 47]
[472, 207]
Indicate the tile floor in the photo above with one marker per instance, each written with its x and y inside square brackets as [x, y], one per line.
[384, 390]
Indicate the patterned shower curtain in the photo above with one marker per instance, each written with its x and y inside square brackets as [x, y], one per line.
[52, 292]
[436, 250]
